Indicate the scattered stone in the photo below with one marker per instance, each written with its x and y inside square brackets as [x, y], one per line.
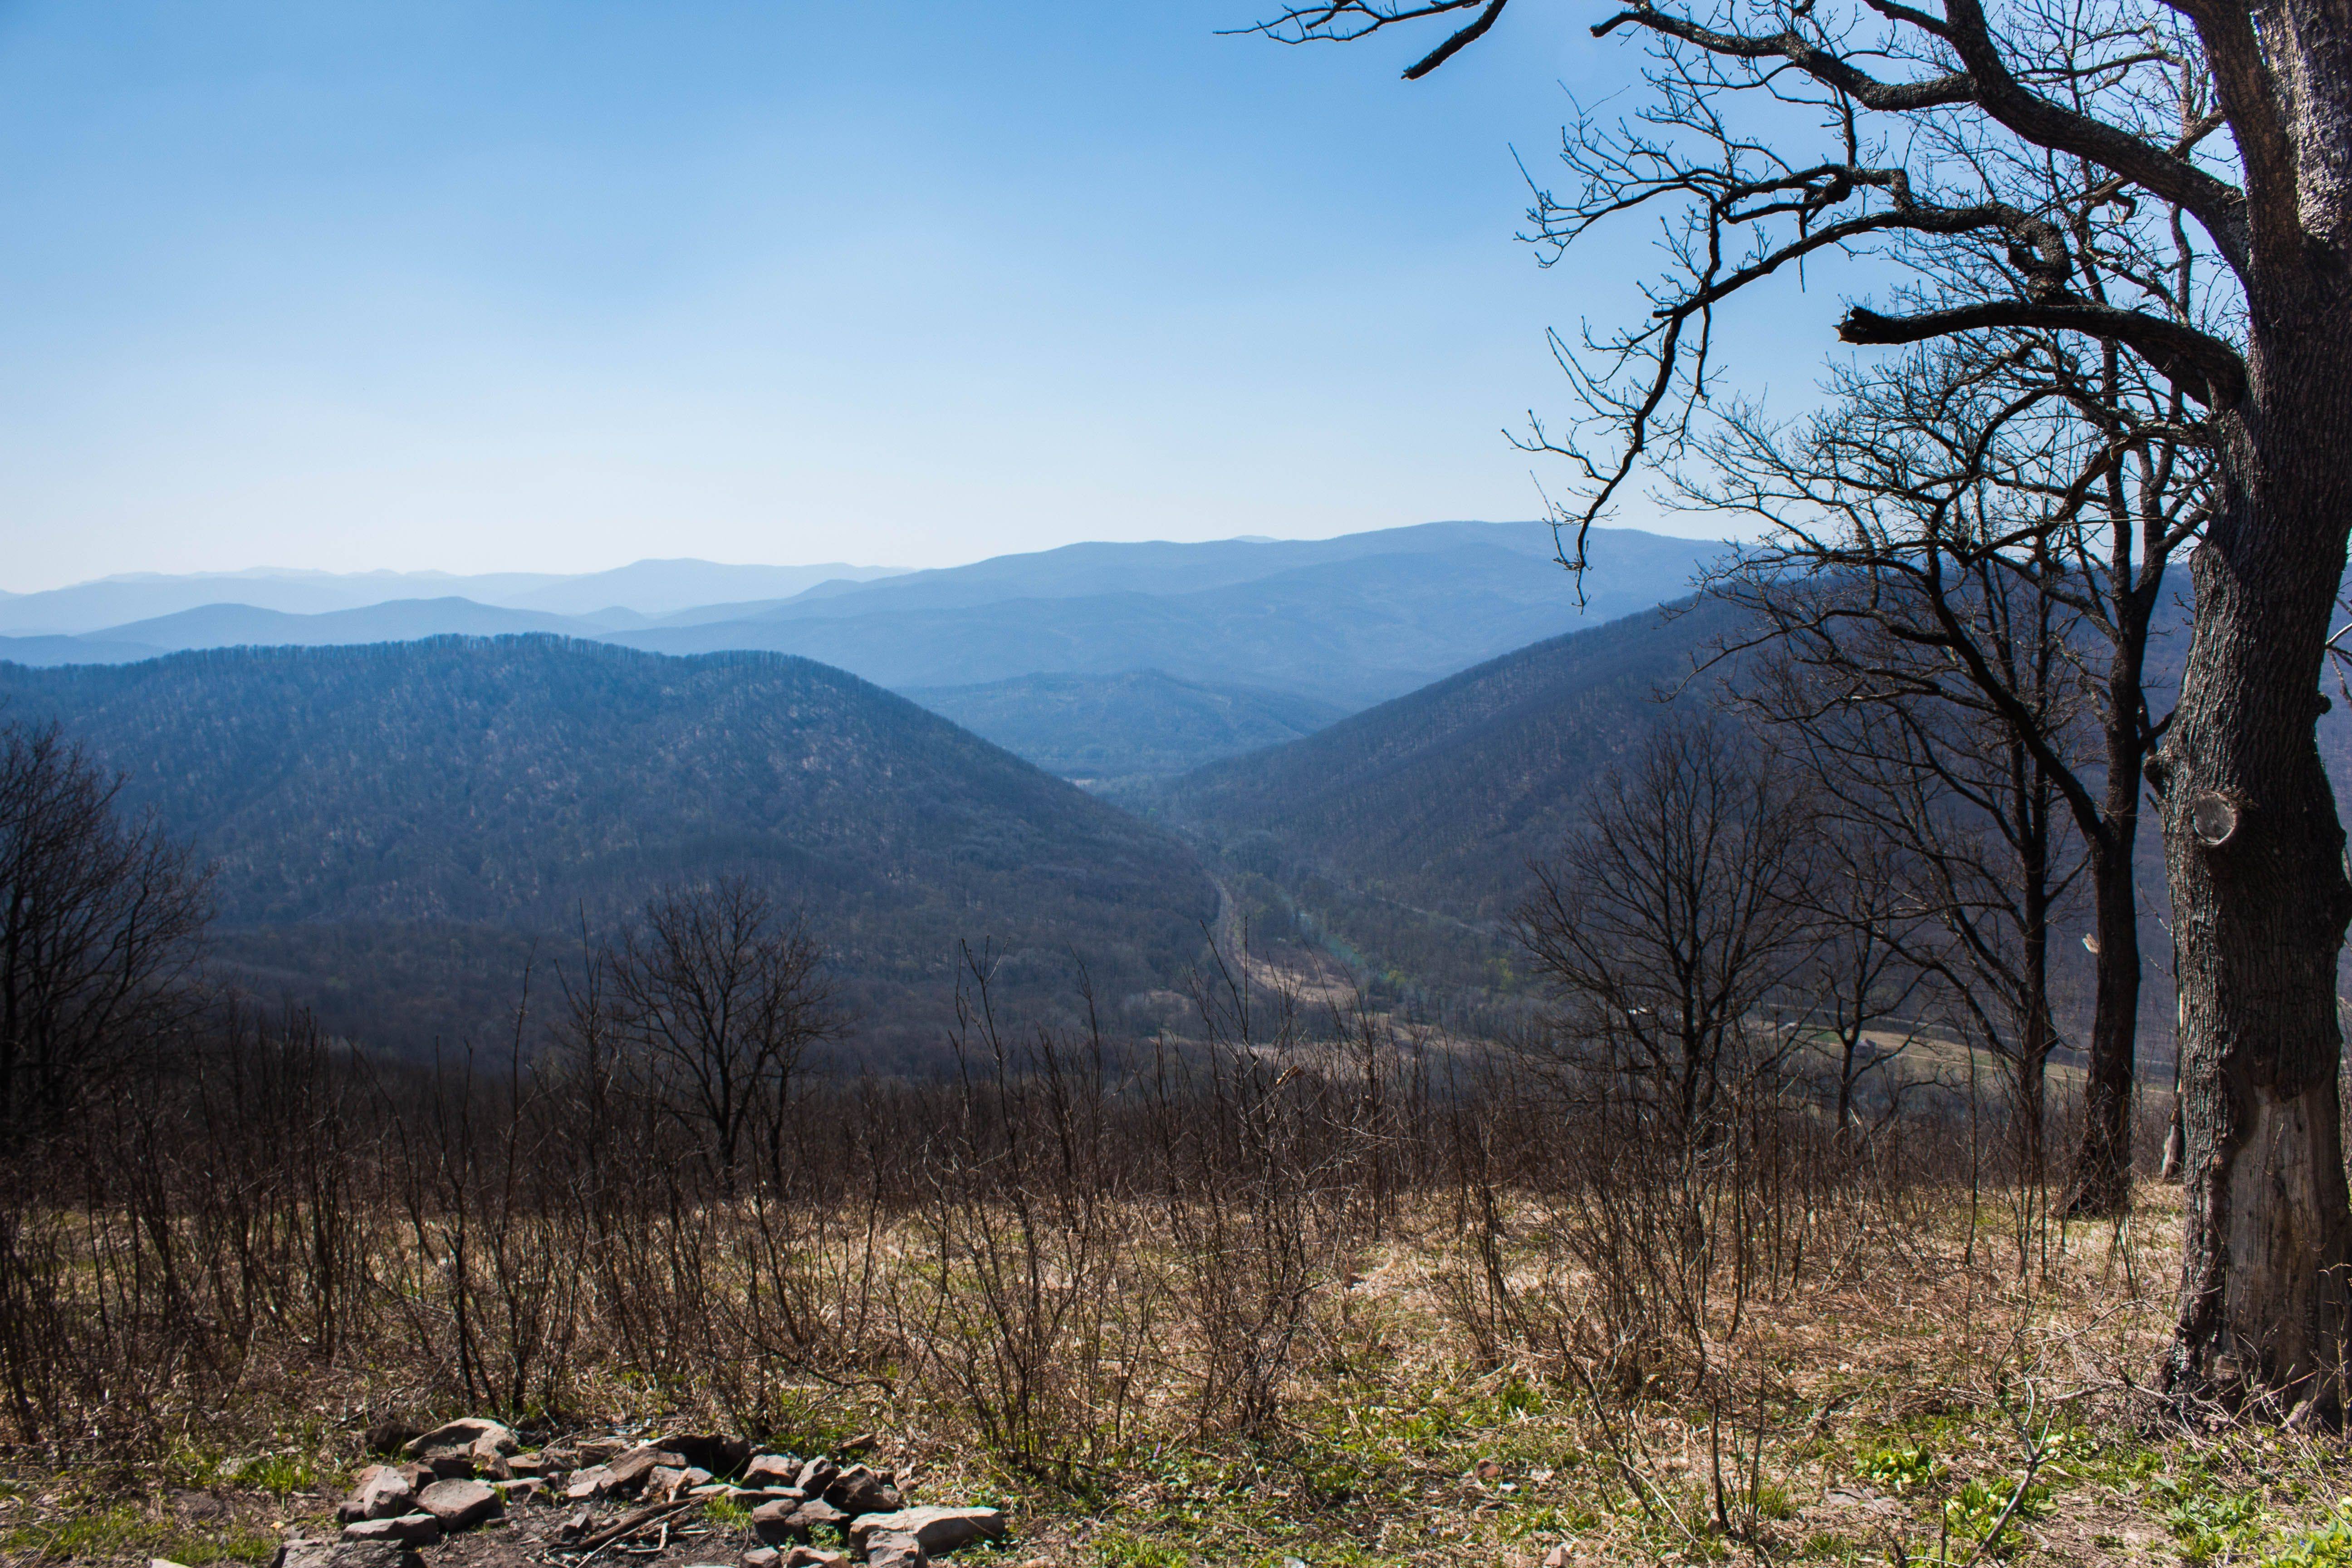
[760, 1557]
[773, 1522]
[164, 1562]
[461, 1447]
[1489, 1470]
[663, 1483]
[601, 1448]
[772, 1469]
[578, 1524]
[522, 1488]
[587, 1484]
[384, 1492]
[816, 1512]
[627, 1475]
[460, 1504]
[860, 1445]
[884, 1548]
[810, 1557]
[816, 1475]
[527, 1463]
[1559, 1557]
[302, 1554]
[409, 1530]
[860, 1490]
[939, 1528]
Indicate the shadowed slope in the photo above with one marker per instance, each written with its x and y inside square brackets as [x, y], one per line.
[394, 824]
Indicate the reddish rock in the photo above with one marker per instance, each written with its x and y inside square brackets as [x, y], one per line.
[409, 1530]
[460, 1504]
[939, 1528]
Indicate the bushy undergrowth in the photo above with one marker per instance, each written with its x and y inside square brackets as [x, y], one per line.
[1293, 1286]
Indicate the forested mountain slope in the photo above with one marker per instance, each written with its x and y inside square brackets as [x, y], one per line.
[1402, 834]
[395, 826]
[1095, 729]
[1438, 798]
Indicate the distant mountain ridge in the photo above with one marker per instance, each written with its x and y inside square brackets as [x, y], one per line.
[1335, 624]
[651, 588]
[396, 828]
[1346, 620]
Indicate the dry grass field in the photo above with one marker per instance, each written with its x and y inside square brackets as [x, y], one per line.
[1975, 1385]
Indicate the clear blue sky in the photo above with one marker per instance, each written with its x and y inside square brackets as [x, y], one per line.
[503, 286]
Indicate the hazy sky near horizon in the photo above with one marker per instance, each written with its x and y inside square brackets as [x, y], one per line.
[556, 286]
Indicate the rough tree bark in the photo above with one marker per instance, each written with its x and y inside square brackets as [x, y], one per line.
[2254, 848]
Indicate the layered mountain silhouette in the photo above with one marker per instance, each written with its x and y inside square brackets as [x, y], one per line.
[650, 588]
[397, 828]
[1331, 625]
[1346, 620]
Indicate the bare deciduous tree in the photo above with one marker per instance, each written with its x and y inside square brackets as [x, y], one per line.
[2229, 123]
[1672, 924]
[720, 994]
[1972, 825]
[99, 925]
[2006, 458]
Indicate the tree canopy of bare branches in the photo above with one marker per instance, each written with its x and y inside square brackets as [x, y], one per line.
[2009, 462]
[100, 924]
[716, 994]
[2208, 144]
[1673, 923]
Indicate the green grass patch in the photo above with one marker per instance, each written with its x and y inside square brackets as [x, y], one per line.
[125, 1529]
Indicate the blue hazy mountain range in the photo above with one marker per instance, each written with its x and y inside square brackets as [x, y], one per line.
[1250, 642]
[650, 588]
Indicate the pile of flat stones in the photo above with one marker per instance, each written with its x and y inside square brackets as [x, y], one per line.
[468, 1473]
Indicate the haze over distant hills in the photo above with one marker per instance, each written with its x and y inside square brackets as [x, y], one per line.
[651, 588]
[1330, 624]
[1346, 620]
[397, 826]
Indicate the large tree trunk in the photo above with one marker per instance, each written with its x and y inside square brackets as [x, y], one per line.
[2260, 900]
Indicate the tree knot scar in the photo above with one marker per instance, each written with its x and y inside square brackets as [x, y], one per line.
[2214, 817]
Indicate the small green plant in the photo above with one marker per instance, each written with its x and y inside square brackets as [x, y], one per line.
[1902, 1469]
[1971, 1513]
[1829, 1546]
[2210, 1523]
[123, 1529]
[2326, 1545]
[1771, 1500]
[1118, 1549]
[278, 1474]
[727, 1513]
[1551, 1519]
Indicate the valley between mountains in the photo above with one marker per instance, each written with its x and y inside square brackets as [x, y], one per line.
[411, 806]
